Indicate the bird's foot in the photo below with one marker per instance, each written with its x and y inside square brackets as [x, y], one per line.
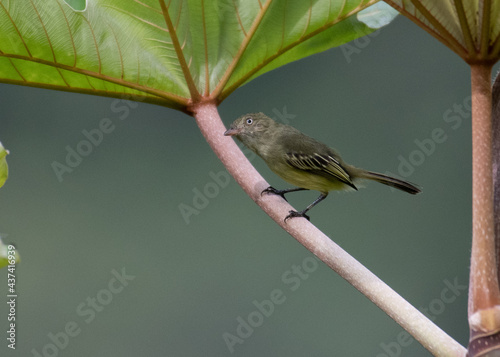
[294, 214]
[272, 190]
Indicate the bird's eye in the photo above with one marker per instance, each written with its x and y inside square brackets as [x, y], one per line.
[249, 121]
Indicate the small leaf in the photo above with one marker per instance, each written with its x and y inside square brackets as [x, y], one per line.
[4, 169]
[6, 254]
[378, 15]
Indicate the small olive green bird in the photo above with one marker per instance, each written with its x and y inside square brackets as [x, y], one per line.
[302, 160]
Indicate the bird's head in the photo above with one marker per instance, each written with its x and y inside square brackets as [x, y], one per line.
[250, 125]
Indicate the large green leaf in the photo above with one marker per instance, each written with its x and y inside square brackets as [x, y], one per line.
[471, 28]
[173, 53]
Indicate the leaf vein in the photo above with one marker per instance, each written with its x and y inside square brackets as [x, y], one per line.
[45, 31]
[148, 6]
[238, 17]
[17, 70]
[120, 55]
[98, 54]
[105, 78]
[195, 96]
[16, 28]
[70, 34]
[205, 42]
[152, 24]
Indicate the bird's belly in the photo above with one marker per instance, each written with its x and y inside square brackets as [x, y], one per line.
[308, 180]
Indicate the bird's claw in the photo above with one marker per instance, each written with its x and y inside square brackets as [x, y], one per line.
[274, 191]
[294, 214]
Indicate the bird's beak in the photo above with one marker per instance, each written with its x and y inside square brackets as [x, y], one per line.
[232, 131]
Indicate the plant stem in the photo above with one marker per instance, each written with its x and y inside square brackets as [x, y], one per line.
[484, 293]
[412, 320]
[496, 164]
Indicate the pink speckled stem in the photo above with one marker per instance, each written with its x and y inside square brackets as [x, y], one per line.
[483, 291]
[412, 320]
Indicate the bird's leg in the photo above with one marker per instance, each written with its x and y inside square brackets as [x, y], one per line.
[281, 193]
[303, 214]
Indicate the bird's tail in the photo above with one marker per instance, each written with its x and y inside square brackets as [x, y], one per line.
[392, 181]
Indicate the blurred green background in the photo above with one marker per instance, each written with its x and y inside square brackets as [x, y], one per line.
[195, 278]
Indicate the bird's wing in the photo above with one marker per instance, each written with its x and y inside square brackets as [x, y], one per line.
[321, 164]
